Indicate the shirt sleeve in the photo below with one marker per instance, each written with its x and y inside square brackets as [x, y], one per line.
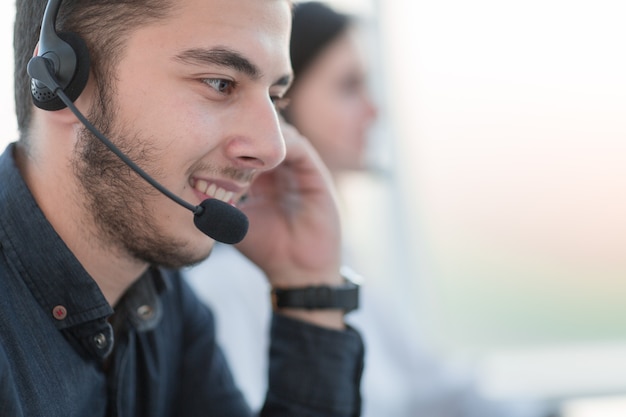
[313, 371]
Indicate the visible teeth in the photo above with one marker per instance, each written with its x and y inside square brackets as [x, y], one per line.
[213, 190]
[201, 185]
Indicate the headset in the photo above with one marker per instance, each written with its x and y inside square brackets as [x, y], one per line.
[67, 57]
[59, 75]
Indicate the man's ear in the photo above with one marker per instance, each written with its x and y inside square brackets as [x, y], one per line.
[62, 60]
[65, 115]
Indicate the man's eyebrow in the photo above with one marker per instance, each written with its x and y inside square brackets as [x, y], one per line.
[222, 57]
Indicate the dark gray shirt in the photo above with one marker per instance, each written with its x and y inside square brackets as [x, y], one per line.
[65, 352]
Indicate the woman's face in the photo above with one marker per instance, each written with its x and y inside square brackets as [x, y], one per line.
[330, 104]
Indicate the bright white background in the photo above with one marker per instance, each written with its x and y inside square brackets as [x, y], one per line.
[508, 143]
[502, 130]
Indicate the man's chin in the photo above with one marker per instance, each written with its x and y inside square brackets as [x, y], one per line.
[168, 255]
[199, 256]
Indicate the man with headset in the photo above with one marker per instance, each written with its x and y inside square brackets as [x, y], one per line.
[151, 120]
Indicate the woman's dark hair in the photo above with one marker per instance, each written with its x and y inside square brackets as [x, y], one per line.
[315, 26]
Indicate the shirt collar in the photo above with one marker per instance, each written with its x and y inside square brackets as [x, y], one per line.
[57, 280]
[141, 304]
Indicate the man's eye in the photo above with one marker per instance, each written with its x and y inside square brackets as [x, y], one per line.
[220, 85]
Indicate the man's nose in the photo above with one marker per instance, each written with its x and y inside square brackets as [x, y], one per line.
[258, 142]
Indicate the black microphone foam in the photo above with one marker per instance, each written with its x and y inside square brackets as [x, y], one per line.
[221, 221]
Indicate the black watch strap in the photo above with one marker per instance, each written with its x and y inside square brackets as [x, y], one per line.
[343, 297]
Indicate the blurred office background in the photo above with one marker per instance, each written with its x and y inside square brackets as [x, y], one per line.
[495, 216]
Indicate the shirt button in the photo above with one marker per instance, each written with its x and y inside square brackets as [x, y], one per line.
[59, 312]
[100, 340]
[145, 312]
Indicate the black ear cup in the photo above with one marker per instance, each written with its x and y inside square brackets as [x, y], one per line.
[43, 97]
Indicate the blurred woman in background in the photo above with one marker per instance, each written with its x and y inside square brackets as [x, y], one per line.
[329, 102]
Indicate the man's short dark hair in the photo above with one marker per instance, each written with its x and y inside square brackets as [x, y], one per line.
[103, 24]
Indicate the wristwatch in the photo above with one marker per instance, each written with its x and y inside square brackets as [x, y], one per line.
[343, 297]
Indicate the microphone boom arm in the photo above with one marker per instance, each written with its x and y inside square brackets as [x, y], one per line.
[45, 76]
